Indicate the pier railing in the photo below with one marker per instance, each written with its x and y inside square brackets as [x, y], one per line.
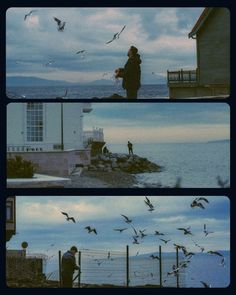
[182, 76]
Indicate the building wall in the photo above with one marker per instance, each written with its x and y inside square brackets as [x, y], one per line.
[213, 46]
[56, 163]
[72, 126]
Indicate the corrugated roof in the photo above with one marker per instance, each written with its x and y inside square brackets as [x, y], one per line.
[206, 12]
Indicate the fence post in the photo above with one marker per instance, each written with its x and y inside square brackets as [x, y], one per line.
[177, 266]
[182, 77]
[160, 266]
[79, 263]
[59, 258]
[127, 266]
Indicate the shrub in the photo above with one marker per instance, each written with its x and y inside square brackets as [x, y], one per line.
[19, 168]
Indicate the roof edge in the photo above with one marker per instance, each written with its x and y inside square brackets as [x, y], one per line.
[202, 18]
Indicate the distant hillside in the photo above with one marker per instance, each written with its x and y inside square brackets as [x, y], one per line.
[219, 141]
[18, 81]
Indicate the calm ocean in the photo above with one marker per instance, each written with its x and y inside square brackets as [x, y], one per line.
[83, 92]
[143, 270]
[197, 164]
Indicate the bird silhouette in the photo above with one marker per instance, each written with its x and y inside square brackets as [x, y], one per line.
[215, 253]
[60, 24]
[135, 241]
[68, 218]
[136, 232]
[28, 14]
[185, 230]
[205, 285]
[80, 51]
[154, 257]
[90, 229]
[149, 204]
[197, 202]
[142, 234]
[222, 183]
[206, 232]
[127, 219]
[165, 241]
[116, 36]
[157, 233]
[120, 229]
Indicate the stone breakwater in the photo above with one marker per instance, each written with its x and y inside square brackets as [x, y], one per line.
[122, 162]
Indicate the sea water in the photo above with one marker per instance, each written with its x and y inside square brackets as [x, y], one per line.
[143, 270]
[83, 92]
[197, 164]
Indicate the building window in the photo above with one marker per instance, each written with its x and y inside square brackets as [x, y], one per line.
[9, 213]
[34, 119]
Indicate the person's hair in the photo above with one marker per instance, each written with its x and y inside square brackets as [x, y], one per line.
[134, 49]
[73, 248]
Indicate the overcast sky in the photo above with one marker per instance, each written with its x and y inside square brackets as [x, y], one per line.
[161, 34]
[160, 122]
[40, 223]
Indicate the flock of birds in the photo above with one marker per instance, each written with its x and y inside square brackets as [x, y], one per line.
[139, 234]
[61, 27]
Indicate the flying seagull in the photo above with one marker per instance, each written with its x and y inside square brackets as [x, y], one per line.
[215, 253]
[120, 229]
[28, 14]
[116, 36]
[205, 285]
[197, 202]
[90, 229]
[157, 233]
[185, 230]
[206, 232]
[149, 204]
[222, 183]
[127, 219]
[154, 257]
[67, 217]
[80, 51]
[142, 234]
[136, 233]
[165, 241]
[60, 24]
[135, 241]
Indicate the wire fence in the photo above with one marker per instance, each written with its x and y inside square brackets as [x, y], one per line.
[118, 268]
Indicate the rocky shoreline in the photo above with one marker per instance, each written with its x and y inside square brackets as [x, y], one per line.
[113, 170]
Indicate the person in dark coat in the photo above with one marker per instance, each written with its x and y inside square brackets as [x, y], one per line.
[131, 73]
[130, 148]
[68, 266]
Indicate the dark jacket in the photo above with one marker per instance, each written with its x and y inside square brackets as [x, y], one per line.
[132, 73]
[68, 264]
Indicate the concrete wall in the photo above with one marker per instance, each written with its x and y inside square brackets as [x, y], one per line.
[213, 48]
[72, 126]
[184, 91]
[57, 163]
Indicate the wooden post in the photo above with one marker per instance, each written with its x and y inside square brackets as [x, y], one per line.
[177, 266]
[182, 78]
[79, 264]
[160, 266]
[127, 266]
[59, 258]
[62, 127]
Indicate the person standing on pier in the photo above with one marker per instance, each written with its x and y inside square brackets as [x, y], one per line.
[130, 148]
[131, 73]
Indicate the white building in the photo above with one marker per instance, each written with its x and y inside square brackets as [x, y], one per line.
[96, 134]
[45, 126]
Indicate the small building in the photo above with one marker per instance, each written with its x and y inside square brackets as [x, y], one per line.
[45, 126]
[48, 134]
[212, 75]
[10, 218]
